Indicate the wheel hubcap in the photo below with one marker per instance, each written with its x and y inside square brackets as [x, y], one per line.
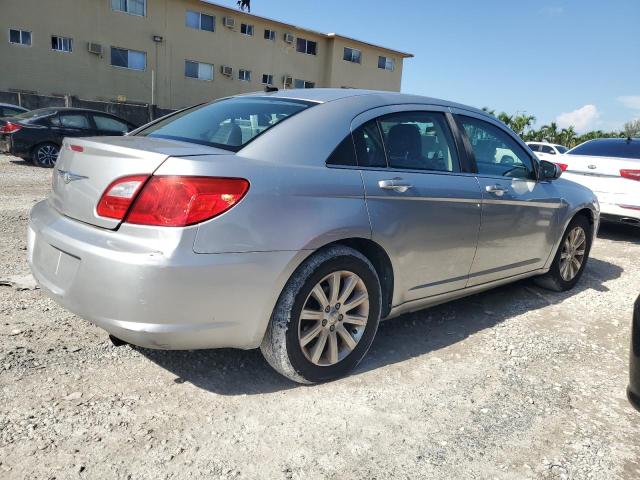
[48, 155]
[573, 252]
[334, 318]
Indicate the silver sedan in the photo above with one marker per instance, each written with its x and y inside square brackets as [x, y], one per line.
[295, 221]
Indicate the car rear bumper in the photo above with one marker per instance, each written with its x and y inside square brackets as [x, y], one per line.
[163, 298]
[614, 212]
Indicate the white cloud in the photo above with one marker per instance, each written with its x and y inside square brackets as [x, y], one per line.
[581, 119]
[552, 11]
[630, 101]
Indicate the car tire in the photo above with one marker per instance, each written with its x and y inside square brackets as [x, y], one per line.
[45, 155]
[563, 274]
[323, 344]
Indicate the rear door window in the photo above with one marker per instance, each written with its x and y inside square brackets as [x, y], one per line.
[74, 120]
[110, 124]
[547, 149]
[229, 124]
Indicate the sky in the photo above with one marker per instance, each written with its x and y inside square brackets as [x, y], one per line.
[576, 62]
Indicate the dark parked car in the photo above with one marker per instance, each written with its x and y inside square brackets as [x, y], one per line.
[8, 110]
[37, 135]
[634, 371]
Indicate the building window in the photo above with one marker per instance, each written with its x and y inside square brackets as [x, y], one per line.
[270, 35]
[306, 46]
[200, 21]
[201, 71]
[132, 59]
[386, 63]
[246, 29]
[61, 44]
[244, 75]
[19, 37]
[133, 7]
[352, 55]
[303, 84]
[267, 79]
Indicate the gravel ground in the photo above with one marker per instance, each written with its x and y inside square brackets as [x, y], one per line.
[514, 383]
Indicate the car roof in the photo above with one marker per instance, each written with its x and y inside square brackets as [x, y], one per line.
[325, 95]
[12, 106]
[74, 109]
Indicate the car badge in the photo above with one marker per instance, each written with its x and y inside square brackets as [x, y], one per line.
[68, 177]
[593, 167]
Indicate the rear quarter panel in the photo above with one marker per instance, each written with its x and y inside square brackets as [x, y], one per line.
[288, 207]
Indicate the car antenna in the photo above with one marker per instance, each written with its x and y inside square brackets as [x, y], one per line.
[270, 89]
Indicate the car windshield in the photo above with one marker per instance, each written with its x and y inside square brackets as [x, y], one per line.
[609, 148]
[561, 149]
[229, 124]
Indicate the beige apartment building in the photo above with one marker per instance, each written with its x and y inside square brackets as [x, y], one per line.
[175, 53]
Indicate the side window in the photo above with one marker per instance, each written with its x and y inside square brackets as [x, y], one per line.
[547, 149]
[108, 124]
[419, 141]
[344, 154]
[535, 148]
[74, 120]
[369, 146]
[496, 153]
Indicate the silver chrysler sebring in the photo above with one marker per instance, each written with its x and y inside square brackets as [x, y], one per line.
[295, 221]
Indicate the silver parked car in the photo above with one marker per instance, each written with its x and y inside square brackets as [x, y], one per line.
[295, 221]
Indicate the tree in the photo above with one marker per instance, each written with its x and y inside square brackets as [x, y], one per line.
[632, 129]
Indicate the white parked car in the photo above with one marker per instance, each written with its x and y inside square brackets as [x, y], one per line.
[610, 167]
[547, 151]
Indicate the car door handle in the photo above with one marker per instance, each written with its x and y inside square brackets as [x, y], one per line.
[396, 185]
[499, 190]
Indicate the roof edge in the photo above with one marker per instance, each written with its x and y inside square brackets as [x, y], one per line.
[322, 34]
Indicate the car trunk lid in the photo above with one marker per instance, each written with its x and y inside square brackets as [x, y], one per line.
[602, 174]
[87, 166]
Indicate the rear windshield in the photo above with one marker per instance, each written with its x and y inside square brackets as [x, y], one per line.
[609, 148]
[35, 114]
[229, 124]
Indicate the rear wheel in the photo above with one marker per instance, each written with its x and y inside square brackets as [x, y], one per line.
[45, 155]
[571, 257]
[326, 317]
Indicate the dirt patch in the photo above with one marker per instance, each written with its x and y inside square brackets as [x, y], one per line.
[515, 383]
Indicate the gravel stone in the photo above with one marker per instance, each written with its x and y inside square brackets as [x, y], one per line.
[516, 383]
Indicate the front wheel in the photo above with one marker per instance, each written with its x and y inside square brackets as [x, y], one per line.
[326, 317]
[45, 155]
[571, 257]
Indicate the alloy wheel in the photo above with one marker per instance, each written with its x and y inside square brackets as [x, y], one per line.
[573, 252]
[333, 318]
[47, 155]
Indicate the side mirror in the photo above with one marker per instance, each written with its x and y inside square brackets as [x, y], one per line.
[549, 170]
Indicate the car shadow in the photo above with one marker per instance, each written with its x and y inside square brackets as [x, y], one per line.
[619, 232]
[237, 372]
[21, 162]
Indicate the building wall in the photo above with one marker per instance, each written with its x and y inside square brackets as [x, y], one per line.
[40, 69]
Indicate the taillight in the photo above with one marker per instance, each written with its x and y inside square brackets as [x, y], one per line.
[76, 148]
[170, 201]
[119, 196]
[563, 166]
[630, 174]
[10, 128]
